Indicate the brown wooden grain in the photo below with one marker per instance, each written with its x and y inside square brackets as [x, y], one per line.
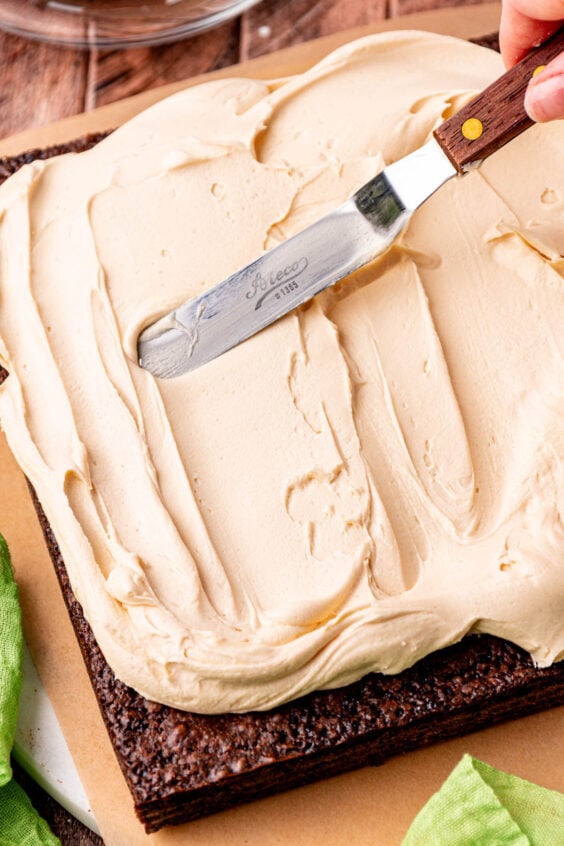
[500, 109]
[410, 7]
[275, 24]
[115, 74]
[39, 83]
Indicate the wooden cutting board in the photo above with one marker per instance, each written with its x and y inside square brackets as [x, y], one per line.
[372, 806]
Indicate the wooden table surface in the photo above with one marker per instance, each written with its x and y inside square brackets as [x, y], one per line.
[41, 83]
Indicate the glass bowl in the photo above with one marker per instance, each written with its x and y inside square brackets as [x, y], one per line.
[115, 23]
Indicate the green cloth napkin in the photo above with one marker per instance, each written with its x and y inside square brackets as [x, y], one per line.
[481, 806]
[20, 824]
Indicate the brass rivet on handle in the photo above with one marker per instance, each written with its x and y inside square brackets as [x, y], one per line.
[539, 69]
[472, 129]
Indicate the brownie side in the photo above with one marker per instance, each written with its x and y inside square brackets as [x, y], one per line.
[180, 766]
[10, 164]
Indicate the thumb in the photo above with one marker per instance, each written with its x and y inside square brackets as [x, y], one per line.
[544, 99]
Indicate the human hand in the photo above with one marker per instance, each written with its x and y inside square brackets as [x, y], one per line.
[524, 25]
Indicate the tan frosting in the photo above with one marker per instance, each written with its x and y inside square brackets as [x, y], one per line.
[364, 482]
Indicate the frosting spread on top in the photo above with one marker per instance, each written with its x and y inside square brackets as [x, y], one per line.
[362, 483]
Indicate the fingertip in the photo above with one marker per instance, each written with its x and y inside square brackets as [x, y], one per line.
[544, 98]
[519, 33]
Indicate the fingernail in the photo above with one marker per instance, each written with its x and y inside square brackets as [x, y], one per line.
[544, 99]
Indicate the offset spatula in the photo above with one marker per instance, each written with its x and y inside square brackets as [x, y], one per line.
[348, 238]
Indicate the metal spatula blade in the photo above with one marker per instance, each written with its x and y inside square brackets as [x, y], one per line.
[347, 238]
[295, 271]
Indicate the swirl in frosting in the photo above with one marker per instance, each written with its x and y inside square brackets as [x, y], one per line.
[366, 481]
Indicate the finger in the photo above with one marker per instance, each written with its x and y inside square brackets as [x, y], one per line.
[519, 33]
[546, 10]
[544, 99]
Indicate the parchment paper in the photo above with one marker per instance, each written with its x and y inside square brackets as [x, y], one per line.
[371, 806]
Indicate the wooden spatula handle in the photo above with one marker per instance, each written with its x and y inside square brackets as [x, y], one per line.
[496, 115]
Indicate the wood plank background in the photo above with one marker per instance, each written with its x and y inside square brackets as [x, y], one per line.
[41, 83]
